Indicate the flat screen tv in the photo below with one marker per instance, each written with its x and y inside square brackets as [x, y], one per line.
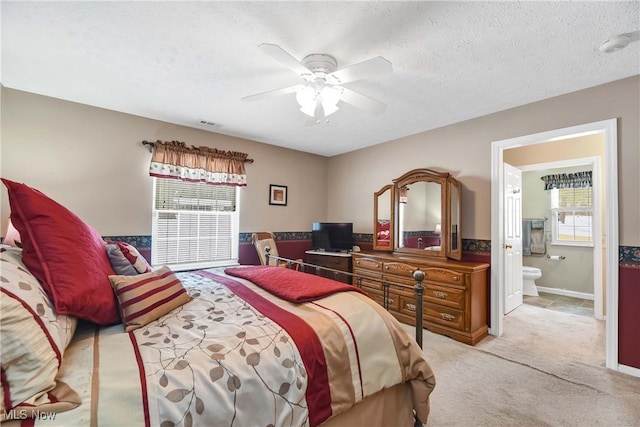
[332, 236]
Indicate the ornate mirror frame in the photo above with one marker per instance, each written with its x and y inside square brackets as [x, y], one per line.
[383, 214]
[449, 236]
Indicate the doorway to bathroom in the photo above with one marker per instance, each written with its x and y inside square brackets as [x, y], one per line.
[565, 145]
[562, 209]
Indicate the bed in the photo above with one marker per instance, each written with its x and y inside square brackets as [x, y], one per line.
[241, 346]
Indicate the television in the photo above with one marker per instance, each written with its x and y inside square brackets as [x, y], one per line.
[332, 236]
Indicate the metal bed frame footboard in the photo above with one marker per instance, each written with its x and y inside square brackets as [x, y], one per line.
[418, 276]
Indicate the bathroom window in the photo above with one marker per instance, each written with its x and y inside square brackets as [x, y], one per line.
[572, 216]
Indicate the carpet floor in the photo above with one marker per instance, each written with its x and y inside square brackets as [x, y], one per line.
[547, 369]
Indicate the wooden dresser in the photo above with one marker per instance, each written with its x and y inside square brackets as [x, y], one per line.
[334, 260]
[455, 292]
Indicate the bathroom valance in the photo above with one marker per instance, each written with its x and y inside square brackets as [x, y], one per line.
[568, 180]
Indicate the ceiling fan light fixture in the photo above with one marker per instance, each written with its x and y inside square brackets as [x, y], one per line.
[305, 95]
[615, 44]
[329, 108]
[318, 97]
[330, 95]
[309, 99]
[309, 109]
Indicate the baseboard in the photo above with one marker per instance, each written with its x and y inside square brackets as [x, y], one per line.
[566, 293]
[629, 370]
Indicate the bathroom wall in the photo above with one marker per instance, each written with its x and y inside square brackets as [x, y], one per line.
[575, 272]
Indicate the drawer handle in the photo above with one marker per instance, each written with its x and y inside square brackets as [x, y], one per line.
[411, 307]
[441, 295]
[389, 301]
[456, 278]
[447, 316]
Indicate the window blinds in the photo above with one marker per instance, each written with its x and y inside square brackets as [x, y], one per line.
[195, 225]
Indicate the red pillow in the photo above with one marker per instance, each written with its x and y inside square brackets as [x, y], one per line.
[67, 255]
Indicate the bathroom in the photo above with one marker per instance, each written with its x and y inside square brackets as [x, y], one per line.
[563, 266]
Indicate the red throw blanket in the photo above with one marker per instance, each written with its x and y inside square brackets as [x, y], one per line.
[291, 285]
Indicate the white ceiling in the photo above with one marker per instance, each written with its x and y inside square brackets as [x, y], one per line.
[185, 62]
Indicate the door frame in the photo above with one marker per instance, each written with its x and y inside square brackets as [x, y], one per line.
[609, 128]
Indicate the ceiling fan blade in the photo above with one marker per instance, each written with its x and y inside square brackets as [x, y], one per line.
[283, 91]
[369, 68]
[281, 55]
[361, 101]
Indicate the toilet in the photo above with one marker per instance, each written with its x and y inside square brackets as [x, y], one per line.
[529, 276]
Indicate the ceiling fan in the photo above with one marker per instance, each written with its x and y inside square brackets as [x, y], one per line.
[321, 90]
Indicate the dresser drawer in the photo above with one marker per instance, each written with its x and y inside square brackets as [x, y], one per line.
[399, 286]
[366, 276]
[367, 263]
[399, 269]
[407, 305]
[369, 283]
[444, 275]
[444, 316]
[366, 273]
[443, 295]
[335, 262]
[377, 295]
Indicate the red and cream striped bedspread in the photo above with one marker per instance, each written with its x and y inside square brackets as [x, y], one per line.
[237, 355]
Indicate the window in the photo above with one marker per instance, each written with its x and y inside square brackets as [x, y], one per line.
[195, 225]
[572, 213]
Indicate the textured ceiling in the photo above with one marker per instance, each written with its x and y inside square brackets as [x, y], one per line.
[185, 62]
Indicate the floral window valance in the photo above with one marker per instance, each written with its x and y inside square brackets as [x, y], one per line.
[568, 180]
[175, 160]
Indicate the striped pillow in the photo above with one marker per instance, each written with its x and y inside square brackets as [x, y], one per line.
[147, 297]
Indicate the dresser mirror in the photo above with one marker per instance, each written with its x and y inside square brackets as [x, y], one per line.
[454, 249]
[383, 215]
[420, 216]
[425, 214]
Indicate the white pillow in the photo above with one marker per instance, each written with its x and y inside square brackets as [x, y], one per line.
[33, 339]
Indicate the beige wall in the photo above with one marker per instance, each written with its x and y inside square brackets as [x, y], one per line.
[554, 151]
[92, 161]
[42, 137]
[465, 149]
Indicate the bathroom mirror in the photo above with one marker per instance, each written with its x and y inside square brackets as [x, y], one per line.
[383, 216]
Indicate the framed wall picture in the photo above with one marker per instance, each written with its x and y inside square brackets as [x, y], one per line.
[277, 195]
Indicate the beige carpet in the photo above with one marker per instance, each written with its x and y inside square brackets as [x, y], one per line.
[546, 370]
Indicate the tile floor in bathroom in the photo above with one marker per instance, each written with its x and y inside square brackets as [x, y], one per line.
[561, 303]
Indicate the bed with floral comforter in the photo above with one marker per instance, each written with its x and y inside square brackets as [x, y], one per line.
[92, 336]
